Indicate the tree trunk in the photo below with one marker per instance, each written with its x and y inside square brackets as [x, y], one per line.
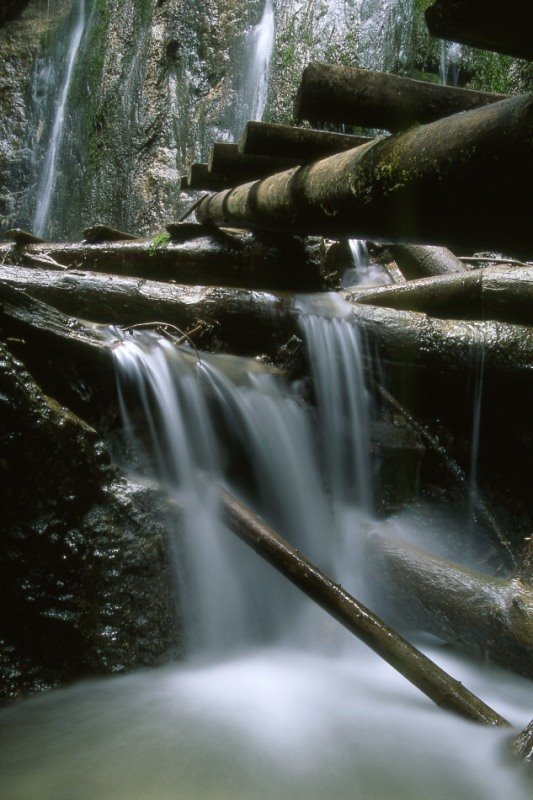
[359, 620]
[252, 322]
[370, 99]
[226, 163]
[434, 183]
[300, 144]
[523, 744]
[422, 261]
[489, 24]
[505, 295]
[487, 616]
[219, 258]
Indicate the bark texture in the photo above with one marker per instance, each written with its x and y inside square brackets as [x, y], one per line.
[434, 183]
[370, 99]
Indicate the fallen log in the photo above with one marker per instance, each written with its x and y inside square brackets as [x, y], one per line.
[300, 144]
[359, 620]
[252, 321]
[489, 293]
[200, 179]
[432, 183]
[227, 164]
[489, 24]
[105, 233]
[204, 257]
[487, 616]
[523, 744]
[247, 322]
[423, 261]
[370, 99]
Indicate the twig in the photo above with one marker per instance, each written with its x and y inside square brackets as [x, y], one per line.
[486, 259]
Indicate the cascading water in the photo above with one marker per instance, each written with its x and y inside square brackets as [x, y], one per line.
[363, 272]
[260, 44]
[47, 179]
[275, 700]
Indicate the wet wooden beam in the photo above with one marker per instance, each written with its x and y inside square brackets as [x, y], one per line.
[441, 688]
[226, 163]
[489, 24]
[370, 99]
[424, 261]
[434, 183]
[300, 144]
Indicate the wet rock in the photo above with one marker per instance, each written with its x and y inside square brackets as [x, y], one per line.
[85, 584]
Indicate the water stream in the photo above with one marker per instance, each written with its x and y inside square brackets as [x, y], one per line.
[47, 179]
[274, 699]
[251, 101]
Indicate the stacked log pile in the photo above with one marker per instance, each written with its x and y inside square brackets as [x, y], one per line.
[449, 175]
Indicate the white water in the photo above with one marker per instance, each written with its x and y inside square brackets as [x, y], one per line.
[47, 180]
[363, 272]
[260, 46]
[275, 700]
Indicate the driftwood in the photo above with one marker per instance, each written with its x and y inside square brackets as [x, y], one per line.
[523, 744]
[205, 257]
[490, 617]
[300, 144]
[378, 99]
[423, 261]
[505, 295]
[22, 238]
[359, 620]
[432, 183]
[252, 321]
[490, 24]
[227, 164]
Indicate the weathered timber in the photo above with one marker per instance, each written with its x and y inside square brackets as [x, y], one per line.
[22, 238]
[252, 321]
[432, 183]
[206, 257]
[505, 295]
[186, 231]
[230, 166]
[423, 261]
[487, 616]
[200, 179]
[248, 322]
[104, 233]
[523, 744]
[370, 99]
[359, 620]
[489, 24]
[300, 144]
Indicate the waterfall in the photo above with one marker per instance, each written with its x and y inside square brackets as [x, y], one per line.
[274, 699]
[259, 46]
[363, 272]
[47, 179]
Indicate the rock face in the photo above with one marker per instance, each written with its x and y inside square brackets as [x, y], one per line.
[85, 583]
[11, 9]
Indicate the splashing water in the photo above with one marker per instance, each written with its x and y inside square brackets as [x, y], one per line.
[363, 272]
[46, 186]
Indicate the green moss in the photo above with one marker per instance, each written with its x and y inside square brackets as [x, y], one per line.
[159, 242]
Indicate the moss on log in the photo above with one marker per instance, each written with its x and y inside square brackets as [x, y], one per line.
[434, 183]
[378, 99]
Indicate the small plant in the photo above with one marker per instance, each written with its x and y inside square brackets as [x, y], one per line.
[159, 241]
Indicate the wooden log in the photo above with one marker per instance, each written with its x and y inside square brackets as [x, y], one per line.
[490, 617]
[227, 164]
[505, 295]
[423, 261]
[207, 257]
[433, 183]
[523, 744]
[22, 238]
[359, 620]
[247, 322]
[378, 99]
[253, 322]
[200, 179]
[489, 24]
[104, 233]
[300, 144]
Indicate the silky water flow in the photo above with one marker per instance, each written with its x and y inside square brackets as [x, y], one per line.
[274, 699]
